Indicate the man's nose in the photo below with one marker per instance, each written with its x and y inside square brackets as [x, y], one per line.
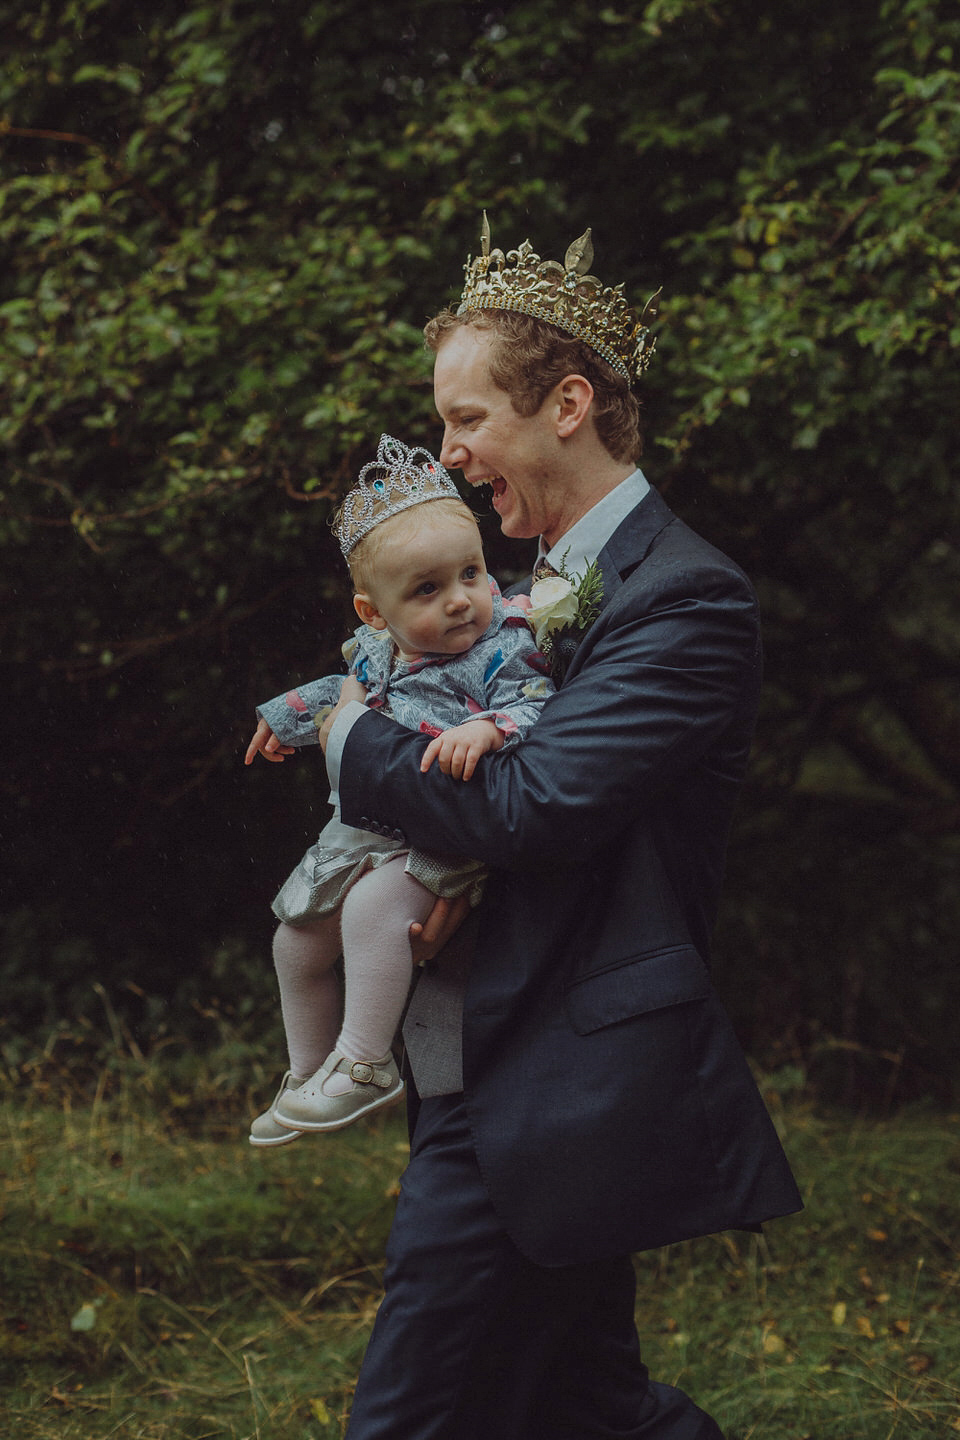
[453, 453]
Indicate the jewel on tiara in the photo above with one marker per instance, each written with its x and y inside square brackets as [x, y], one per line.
[562, 295]
[401, 476]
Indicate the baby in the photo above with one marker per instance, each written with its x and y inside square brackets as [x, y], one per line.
[441, 651]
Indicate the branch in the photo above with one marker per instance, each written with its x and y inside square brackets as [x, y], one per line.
[326, 492]
[73, 669]
[67, 137]
[84, 521]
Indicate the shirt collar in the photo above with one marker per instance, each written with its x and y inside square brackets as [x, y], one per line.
[582, 543]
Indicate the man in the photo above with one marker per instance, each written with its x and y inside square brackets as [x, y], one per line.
[596, 1101]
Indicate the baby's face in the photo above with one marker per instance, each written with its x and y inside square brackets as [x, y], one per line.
[432, 591]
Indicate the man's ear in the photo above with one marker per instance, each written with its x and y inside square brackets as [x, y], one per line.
[368, 612]
[574, 398]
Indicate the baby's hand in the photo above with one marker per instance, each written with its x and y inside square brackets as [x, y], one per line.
[458, 750]
[265, 743]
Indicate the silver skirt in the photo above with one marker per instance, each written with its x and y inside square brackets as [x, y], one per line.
[332, 866]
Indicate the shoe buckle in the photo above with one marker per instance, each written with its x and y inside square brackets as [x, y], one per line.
[362, 1073]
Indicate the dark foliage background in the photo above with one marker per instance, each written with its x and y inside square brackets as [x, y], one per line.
[223, 227]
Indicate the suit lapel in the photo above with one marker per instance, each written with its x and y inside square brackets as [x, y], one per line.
[630, 543]
[627, 548]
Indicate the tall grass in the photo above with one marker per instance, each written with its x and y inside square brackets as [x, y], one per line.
[160, 1278]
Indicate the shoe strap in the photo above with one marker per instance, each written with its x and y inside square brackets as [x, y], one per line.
[363, 1074]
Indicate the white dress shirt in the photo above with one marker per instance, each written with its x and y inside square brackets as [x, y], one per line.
[582, 543]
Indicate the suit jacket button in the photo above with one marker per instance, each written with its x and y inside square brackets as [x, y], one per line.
[364, 822]
[399, 835]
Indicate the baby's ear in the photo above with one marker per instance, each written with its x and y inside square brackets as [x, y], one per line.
[368, 612]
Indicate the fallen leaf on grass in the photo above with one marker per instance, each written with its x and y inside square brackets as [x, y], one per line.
[839, 1313]
[320, 1412]
[918, 1363]
[86, 1316]
[864, 1327]
[71, 1401]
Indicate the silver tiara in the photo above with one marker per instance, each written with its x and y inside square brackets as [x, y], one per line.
[400, 477]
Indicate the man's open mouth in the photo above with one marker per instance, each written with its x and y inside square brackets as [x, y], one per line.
[496, 483]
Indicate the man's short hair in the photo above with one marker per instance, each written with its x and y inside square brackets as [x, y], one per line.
[530, 357]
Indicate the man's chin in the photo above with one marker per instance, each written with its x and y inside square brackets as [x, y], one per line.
[516, 529]
[511, 524]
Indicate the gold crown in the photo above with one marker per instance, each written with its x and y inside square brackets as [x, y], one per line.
[401, 476]
[562, 295]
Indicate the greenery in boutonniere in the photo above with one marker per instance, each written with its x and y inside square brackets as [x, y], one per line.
[562, 609]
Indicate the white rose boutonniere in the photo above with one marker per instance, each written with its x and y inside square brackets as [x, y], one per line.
[562, 609]
[553, 606]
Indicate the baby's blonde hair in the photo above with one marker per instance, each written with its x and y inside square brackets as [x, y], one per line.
[362, 559]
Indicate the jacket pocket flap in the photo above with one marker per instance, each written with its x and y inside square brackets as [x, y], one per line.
[645, 983]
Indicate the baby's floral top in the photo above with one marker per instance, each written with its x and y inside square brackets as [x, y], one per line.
[502, 677]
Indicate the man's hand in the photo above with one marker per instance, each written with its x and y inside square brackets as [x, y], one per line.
[457, 751]
[265, 743]
[444, 920]
[351, 689]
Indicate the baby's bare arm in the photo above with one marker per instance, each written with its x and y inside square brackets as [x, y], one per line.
[458, 750]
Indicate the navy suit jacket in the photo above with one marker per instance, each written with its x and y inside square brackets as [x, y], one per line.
[611, 1105]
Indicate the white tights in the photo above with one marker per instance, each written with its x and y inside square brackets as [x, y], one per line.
[374, 923]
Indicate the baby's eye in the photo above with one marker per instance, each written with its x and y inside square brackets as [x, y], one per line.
[471, 572]
[427, 588]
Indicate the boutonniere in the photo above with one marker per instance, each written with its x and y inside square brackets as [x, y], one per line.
[562, 609]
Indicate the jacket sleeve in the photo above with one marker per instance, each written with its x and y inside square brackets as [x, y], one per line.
[664, 682]
[296, 716]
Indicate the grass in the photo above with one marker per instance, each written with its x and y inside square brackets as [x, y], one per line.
[159, 1278]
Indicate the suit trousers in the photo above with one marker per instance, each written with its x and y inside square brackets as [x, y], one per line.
[473, 1340]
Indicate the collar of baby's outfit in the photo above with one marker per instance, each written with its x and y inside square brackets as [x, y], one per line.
[580, 546]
